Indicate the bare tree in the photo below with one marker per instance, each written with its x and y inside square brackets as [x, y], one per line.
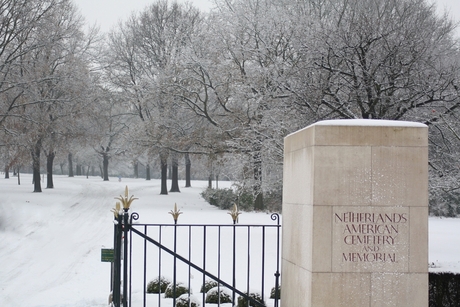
[383, 60]
[51, 79]
[235, 77]
[141, 51]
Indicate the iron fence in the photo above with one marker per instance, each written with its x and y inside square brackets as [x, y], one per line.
[241, 261]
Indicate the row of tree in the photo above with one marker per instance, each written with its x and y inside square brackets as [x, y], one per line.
[173, 84]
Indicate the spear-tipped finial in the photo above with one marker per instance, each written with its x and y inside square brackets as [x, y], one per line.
[234, 213]
[116, 210]
[175, 213]
[126, 202]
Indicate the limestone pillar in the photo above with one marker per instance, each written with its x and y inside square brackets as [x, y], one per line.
[355, 215]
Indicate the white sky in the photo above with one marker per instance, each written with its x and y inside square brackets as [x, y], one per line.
[452, 6]
[106, 13]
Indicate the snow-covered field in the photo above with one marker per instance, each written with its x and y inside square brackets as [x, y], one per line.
[50, 242]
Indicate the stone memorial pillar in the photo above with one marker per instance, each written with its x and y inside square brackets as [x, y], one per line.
[355, 215]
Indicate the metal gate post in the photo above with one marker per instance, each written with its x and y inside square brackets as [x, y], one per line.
[117, 262]
[124, 227]
[275, 216]
[125, 256]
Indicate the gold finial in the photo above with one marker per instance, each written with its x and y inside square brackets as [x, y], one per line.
[234, 213]
[175, 213]
[116, 210]
[125, 200]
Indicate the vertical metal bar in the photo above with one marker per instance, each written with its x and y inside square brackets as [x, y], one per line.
[125, 257]
[145, 268]
[130, 265]
[234, 262]
[117, 263]
[218, 267]
[249, 261]
[263, 261]
[218, 263]
[204, 262]
[175, 260]
[189, 259]
[277, 274]
[159, 266]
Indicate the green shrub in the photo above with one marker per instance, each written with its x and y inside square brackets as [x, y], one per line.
[272, 292]
[218, 295]
[180, 289]
[222, 198]
[208, 285]
[225, 198]
[242, 197]
[186, 301]
[245, 200]
[158, 285]
[243, 302]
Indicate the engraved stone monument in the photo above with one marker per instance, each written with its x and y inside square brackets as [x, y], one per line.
[355, 215]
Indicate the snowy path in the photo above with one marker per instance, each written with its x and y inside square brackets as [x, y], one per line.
[50, 242]
[53, 242]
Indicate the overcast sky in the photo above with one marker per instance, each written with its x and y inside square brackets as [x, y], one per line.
[106, 13]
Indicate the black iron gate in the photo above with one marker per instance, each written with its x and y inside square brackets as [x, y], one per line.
[241, 261]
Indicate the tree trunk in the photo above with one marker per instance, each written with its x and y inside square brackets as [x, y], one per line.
[164, 174]
[259, 199]
[36, 166]
[188, 167]
[7, 172]
[211, 171]
[70, 165]
[147, 172]
[78, 169]
[175, 174]
[259, 202]
[49, 170]
[87, 172]
[136, 169]
[105, 166]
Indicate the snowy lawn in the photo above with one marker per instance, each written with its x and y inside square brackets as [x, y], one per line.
[50, 242]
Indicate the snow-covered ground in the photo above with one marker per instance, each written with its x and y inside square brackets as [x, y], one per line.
[50, 242]
[444, 244]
